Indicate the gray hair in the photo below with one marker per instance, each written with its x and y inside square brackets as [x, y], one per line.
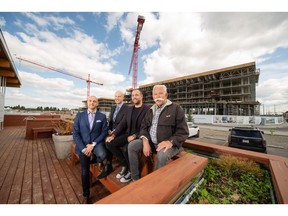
[160, 86]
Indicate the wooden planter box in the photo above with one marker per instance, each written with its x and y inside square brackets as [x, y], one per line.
[168, 183]
[277, 165]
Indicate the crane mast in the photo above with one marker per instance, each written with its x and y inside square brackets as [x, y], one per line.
[134, 60]
[63, 72]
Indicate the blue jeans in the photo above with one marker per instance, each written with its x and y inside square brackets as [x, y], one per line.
[101, 154]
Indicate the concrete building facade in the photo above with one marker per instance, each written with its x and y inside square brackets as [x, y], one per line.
[226, 91]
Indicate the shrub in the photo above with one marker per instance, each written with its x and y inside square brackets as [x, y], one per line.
[63, 127]
[232, 179]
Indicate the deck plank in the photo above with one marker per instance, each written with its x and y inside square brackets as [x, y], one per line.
[30, 172]
[15, 194]
[10, 168]
[67, 189]
[37, 195]
[26, 193]
[55, 180]
[46, 182]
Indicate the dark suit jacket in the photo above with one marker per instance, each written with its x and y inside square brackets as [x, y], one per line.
[120, 115]
[81, 130]
[125, 124]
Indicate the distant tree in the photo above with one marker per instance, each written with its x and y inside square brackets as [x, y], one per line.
[39, 108]
[190, 116]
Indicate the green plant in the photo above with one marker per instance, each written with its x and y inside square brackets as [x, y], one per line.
[232, 179]
[63, 127]
[190, 116]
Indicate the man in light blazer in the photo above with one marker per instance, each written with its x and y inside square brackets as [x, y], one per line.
[89, 132]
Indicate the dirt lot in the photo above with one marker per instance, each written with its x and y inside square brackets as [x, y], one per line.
[277, 145]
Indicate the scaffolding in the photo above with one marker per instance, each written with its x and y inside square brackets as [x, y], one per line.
[226, 91]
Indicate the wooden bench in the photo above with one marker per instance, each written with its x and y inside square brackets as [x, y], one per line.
[111, 182]
[74, 157]
[164, 185]
[38, 130]
[46, 123]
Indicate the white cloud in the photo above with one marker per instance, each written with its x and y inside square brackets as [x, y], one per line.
[273, 95]
[37, 81]
[172, 45]
[196, 42]
[80, 55]
[112, 20]
[2, 22]
[50, 21]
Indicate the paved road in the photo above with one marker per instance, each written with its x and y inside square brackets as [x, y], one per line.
[276, 144]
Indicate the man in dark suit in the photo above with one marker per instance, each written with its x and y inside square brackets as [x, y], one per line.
[116, 115]
[90, 130]
[117, 111]
[127, 130]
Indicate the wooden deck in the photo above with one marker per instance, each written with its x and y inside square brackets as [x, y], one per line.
[30, 172]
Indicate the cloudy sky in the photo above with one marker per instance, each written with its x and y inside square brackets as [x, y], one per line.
[172, 44]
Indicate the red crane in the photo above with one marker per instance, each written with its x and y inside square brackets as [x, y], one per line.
[134, 60]
[63, 72]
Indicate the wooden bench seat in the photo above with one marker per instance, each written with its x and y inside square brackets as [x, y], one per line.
[111, 182]
[37, 130]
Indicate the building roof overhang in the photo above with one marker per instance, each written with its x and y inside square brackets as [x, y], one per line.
[7, 67]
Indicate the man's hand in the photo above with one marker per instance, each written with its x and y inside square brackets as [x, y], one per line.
[88, 150]
[110, 138]
[164, 145]
[146, 147]
[131, 138]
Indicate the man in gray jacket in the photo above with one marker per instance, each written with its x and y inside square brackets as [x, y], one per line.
[163, 130]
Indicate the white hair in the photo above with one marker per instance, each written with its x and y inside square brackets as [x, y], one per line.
[160, 86]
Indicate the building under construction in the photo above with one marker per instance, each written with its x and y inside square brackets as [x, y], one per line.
[226, 91]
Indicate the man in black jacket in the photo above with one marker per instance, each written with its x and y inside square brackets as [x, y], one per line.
[163, 131]
[116, 115]
[127, 130]
[117, 112]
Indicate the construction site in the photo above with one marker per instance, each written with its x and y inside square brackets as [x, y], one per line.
[226, 91]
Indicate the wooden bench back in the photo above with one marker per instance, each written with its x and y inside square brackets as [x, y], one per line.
[37, 123]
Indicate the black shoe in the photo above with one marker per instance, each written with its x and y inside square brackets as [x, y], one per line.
[93, 159]
[122, 173]
[106, 171]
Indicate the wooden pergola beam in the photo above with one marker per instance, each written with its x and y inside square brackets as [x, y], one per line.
[12, 80]
[4, 63]
[7, 73]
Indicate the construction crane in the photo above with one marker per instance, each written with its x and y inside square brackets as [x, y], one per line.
[63, 72]
[134, 60]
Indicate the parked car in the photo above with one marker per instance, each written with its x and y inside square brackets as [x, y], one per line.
[249, 138]
[194, 130]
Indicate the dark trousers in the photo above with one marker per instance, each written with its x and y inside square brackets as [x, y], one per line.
[118, 147]
[85, 165]
[101, 154]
